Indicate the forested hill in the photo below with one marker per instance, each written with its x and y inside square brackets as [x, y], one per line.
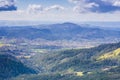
[11, 67]
[83, 59]
[79, 64]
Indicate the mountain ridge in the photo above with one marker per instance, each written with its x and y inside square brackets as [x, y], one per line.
[63, 31]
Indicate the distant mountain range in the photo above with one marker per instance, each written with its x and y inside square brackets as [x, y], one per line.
[64, 31]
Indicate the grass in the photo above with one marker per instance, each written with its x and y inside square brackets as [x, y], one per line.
[38, 50]
[1, 44]
[110, 55]
[79, 74]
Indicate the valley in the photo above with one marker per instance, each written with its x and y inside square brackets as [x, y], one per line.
[64, 51]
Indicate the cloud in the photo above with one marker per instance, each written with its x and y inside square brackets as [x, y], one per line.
[34, 8]
[113, 2]
[7, 5]
[98, 6]
[117, 3]
[55, 7]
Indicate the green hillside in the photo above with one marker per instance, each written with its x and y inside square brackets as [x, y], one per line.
[79, 59]
[70, 64]
[11, 67]
[110, 55]
[75, 61]
[112, 74]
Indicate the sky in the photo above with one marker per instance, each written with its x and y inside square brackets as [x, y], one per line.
[60, 10]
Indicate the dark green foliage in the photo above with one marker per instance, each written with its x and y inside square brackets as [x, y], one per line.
[81, 59]
[61, 65]
[112, 74]
[11, 67]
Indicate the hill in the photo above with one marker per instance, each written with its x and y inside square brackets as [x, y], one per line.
[75, 60]
[112, 74]
[78, 59]
[110, 55]
[76, 64]
[11, 67]
[64, 31]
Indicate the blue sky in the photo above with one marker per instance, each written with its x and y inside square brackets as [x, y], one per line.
[60, 10]
[42, 2]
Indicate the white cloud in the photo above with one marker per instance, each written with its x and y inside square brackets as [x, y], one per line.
[117, 3]
[34, 8]
[7, 2]
[7, 5]
[90, 5]
[82, 6]
[59, 13]
[113, 2]
[76, 1]
[99, 6]
[79, 9]
[54, 7]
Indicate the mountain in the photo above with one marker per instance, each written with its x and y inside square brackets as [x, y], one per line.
[64, 31]
[25, 50]
[79, 64]
[101, 62]
[77, 59]
[112, 74]
[11, 67]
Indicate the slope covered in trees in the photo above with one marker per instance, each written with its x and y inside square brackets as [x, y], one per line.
[79, 64]
[11, 67]
[79, 59]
